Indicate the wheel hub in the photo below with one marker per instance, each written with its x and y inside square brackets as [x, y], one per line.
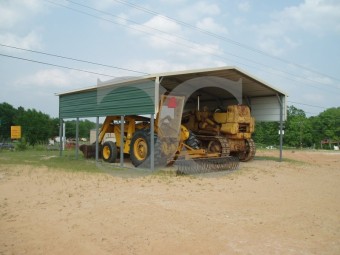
[140, 149]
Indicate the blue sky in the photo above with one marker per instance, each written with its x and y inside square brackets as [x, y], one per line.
[293, 45]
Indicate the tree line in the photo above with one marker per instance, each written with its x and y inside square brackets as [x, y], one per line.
[300, 131]
[37, 127]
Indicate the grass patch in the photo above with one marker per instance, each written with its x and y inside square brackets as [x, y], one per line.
[50, 159]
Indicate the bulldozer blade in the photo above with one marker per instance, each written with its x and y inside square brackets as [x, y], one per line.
[206, 165]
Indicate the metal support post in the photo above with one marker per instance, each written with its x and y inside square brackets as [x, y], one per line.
[64, 135]
[77, 138]
[97, 136]
[152, 140]
[281, 125]
[60, 137]
[122, 141]
[157, 83]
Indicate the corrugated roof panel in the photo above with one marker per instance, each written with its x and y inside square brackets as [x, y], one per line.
[134, 98]
[266, 109]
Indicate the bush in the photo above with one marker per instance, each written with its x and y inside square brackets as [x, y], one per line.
[22, 145]
[40, 147]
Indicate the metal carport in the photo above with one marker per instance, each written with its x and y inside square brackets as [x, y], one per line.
[140, 96]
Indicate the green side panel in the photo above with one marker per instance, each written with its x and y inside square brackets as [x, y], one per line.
[126, 99]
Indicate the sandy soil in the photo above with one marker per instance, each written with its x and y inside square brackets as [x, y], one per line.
[265, 207]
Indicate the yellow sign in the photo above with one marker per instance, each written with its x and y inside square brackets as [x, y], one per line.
[15, 132]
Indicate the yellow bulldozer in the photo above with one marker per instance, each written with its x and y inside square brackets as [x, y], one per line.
[174, 143]
[227, 131]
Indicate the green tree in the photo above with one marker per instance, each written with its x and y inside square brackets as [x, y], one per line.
[54, 127]
[298, 129]
[84, 128]
[35, 125]
[266, 133]
[326, 125]
[7, 115]
[70, 129]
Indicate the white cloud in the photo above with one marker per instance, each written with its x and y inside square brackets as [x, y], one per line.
[156, 28]
[174, 46]
[239, 21]
[316, 17]
[164, 42]
[277, 46]
[198, 10]
[46, 78]
[173, 41]
[205, 8]
[29, 41]
[15, 16]
[161, 65]
[8, 16]
[210, 25]
[152, 31]
[122, 19]
[104, 4]
[271, 46]
[174, 2]
[15, 11]
[243, 6]
[205, 49]
[55, 78]
[157, 66]
[159, 22]
[152, 28]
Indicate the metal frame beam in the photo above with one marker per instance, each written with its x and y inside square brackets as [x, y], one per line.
[77, 138]
[122, 141]
[157, 83]
[97, 135]
[279, 98]
[61, 137]
[152, 142]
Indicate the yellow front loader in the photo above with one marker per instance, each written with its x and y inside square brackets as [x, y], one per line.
[173, 142]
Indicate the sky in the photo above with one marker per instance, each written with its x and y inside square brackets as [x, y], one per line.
[294, 45]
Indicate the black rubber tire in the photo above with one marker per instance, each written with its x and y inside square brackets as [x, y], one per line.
[141, 136]
[109, 152]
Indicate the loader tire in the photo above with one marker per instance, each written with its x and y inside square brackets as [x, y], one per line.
[140, 147]
[109, 152]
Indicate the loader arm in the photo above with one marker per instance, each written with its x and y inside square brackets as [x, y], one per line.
[105, 127]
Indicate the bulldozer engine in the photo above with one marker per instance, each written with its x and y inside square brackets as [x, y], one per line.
[226, 131]
[236, 121]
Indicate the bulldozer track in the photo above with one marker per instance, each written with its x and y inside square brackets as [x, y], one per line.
[225, 148]
[206, 165]
[250, 152]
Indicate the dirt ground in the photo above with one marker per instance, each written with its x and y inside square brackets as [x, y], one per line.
[265, 207]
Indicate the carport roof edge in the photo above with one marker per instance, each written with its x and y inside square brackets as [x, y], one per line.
[204, 72]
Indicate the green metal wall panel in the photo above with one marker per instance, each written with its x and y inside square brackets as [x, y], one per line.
[123, 99]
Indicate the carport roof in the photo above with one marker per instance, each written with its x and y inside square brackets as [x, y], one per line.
[252, 86]
[138, 95]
